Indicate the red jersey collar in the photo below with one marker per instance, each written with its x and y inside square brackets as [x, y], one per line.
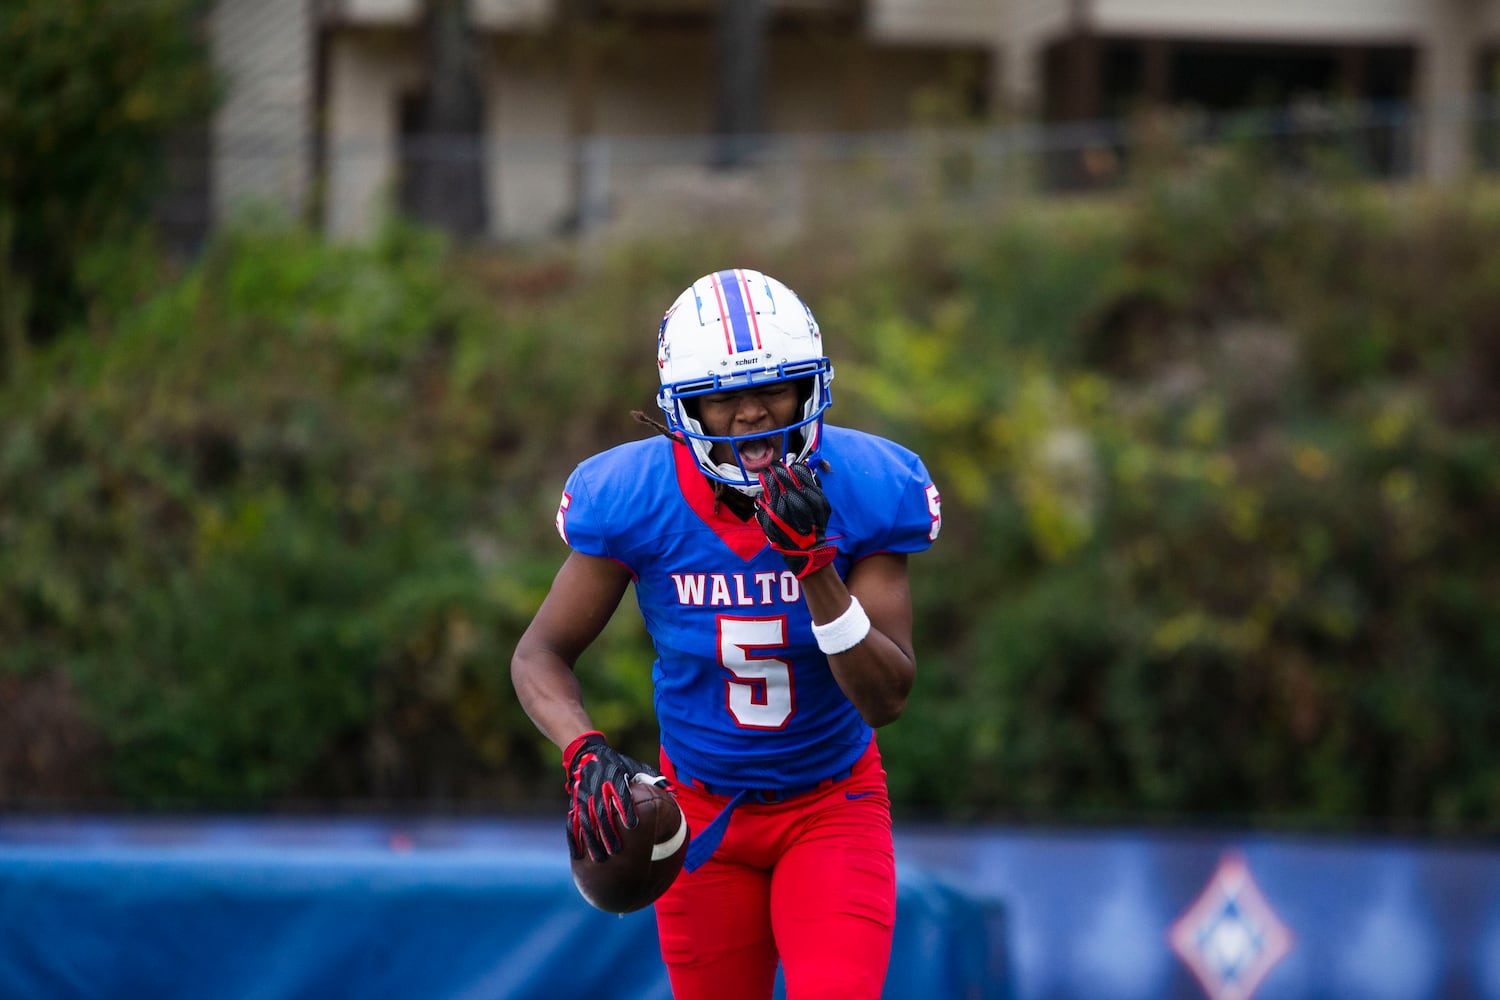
[744, 538]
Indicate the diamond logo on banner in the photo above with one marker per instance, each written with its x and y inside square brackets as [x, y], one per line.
[1230, 937]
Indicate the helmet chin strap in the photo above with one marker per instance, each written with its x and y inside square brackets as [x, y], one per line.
[753, 490]
[730, 472]
[726, 472]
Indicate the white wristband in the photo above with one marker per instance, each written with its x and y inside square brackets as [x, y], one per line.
[844, 632]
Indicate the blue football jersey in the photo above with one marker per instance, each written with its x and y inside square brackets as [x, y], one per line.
[743, 695]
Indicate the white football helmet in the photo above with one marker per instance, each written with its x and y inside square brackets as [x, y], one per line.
[731, 330]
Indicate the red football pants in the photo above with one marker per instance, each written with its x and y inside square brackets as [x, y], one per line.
[811, 881]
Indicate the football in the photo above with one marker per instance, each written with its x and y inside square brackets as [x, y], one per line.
[649, 858]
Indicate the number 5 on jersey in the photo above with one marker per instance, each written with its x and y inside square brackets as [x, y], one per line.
[759, 691]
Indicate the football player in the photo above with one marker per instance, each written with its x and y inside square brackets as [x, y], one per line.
[769, 557]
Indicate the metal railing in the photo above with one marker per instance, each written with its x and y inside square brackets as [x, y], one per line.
[535, 188]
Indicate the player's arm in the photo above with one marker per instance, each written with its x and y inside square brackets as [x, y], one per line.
[864, 625]
[584, 595]
[878, 671]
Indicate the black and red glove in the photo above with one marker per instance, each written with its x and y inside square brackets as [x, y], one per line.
[599, 802]
[793, 512]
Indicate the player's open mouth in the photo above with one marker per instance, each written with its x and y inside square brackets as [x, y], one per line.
[757, 456]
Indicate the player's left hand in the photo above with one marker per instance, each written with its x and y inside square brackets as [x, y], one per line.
[793, 512]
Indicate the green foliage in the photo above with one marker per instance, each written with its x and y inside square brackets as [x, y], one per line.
[1218, 458]
[1219, 554]
[257, 522]
[90, 88]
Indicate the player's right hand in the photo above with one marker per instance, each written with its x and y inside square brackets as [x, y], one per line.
[599, 802]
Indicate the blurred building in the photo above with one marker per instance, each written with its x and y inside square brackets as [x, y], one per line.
[329, 105]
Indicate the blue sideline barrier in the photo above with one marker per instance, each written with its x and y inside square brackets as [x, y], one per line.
[486, 909]
[1129, 915]
[218, 911]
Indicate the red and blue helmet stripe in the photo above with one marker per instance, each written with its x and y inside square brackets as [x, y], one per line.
[736, 311]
